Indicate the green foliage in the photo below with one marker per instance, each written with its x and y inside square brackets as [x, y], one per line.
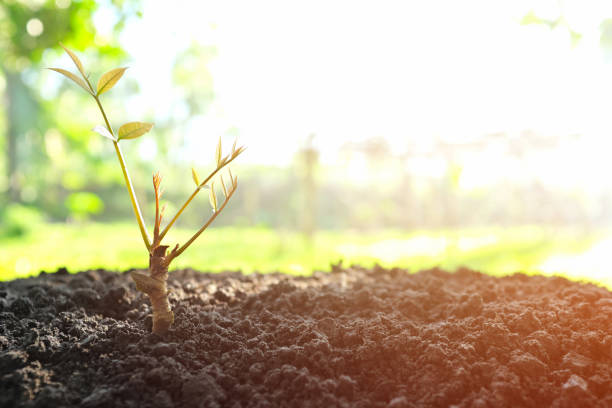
[16, 220]
[84, 204]
[116, 247]
[30, 30]
[70, 23]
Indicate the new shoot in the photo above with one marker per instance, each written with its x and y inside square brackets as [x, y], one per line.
[154, 283]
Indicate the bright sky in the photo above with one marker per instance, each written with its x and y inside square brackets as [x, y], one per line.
[404, 70]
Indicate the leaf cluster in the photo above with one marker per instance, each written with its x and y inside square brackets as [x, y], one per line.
[107, 81]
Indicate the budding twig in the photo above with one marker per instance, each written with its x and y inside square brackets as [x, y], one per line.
[154, 284]
[177, 251]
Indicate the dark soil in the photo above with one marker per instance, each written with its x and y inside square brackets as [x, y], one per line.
[350, 338]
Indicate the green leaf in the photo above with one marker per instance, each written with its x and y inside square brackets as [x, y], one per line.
[103, 131]
[196, 179]
[218, 152]
[109, 79]
[76, 61]
[73, 77]
[132, 130]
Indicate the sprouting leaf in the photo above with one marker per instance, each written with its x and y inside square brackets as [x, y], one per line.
[218, 152]
[233, 179]
[237, 152]
[196, 179]
[234, 146]
[76, 60]
[73, 77]
[132, 130]
[212, 196]
[109, 79]
[103, 131]
[223, 186]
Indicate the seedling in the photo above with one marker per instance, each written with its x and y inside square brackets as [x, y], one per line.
[154, 284]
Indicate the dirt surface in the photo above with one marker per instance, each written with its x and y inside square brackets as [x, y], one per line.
[349, 338]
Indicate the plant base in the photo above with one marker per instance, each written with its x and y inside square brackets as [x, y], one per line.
[158, 294]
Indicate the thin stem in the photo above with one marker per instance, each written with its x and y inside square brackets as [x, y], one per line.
[156, 183]
[108, 126]
[176, 253]
[191, 197]
[128, 181]
[135, 206]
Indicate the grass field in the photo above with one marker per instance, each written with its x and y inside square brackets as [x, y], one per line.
[118, 246]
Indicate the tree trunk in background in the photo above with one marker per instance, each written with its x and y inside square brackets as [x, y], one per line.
[309, 158]
[13, 81]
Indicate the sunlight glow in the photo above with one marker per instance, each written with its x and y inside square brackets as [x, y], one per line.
[392, 250]
[404, 71]
[23, 267]
[35, 27]
[592, 265]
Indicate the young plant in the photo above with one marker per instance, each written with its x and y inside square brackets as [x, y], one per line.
[154, 284]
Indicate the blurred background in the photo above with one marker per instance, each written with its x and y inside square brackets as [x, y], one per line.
[402, 133]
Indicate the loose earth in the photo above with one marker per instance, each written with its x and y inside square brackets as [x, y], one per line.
[353, 337]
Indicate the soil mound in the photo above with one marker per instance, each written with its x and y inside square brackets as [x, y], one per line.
[350, 338]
